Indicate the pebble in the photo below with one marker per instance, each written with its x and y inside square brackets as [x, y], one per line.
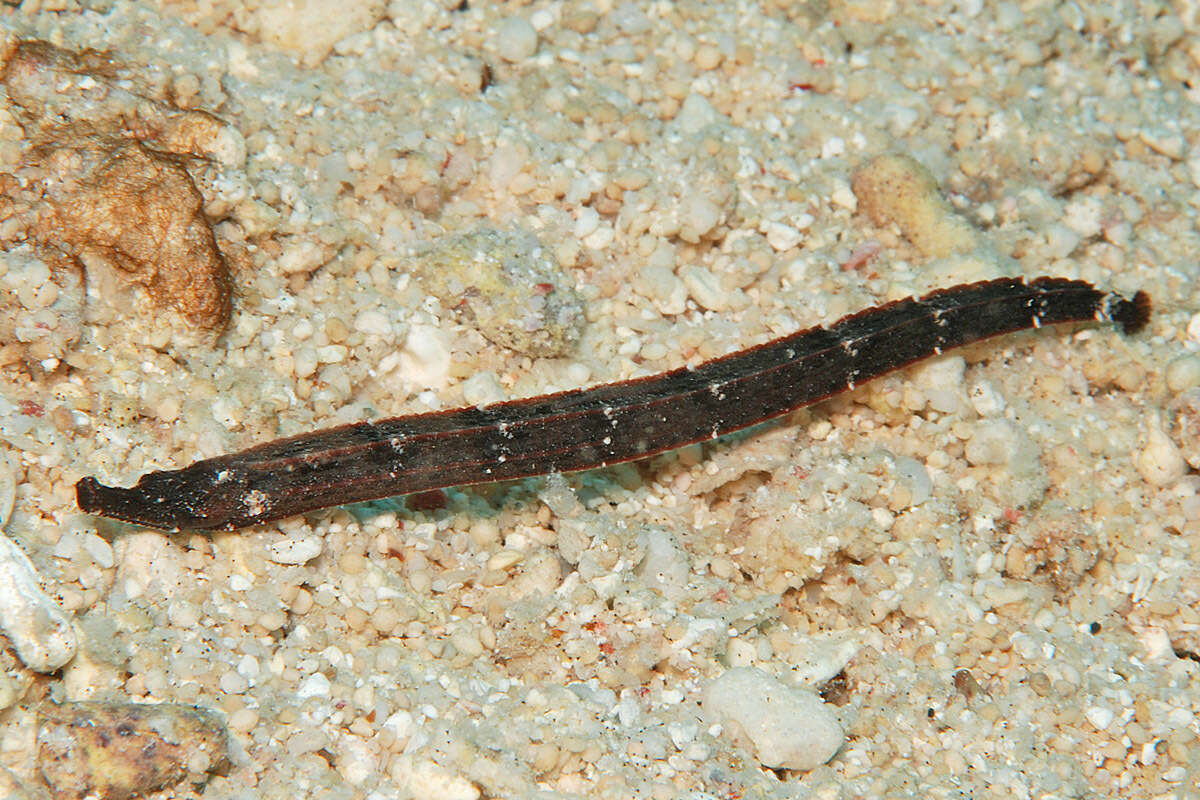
[1159, 462]
[483, 388]
[295, 551]
[427, 779]
[665, 566]
[504, 559]
[243, 720]
[705, 288]
[1100, 717]
[1193, 328]
[915, 477]
[781, 237]
[516, 40]
[789, 728]
[696, 114]
[1183, 372]
[993, 442]
[39, 630]
[700, 214]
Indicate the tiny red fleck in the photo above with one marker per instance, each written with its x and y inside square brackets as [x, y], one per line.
[30, 409]
[802, 87]
[1012, 515]
[431, 500]
[543, 288]
[607, 648]
[862, 255]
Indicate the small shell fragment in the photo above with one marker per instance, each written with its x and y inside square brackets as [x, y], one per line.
[295, 551]
[509, 284]
[8, 487]
[39, 630]
[899, 189]
[112, 751]
[13, 789]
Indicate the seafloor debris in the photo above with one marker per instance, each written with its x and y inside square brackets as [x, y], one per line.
[509, 284]
[51, 88]
[37, 627]
[41, 306]
[1055, 544]
[786, 726]
[136, 209]
[287, 24]
[899, 189]
[1183, 425]
[91, 188]
[111, 751]
[11, 788]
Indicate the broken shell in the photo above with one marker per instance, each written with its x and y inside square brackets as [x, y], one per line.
[38, 628]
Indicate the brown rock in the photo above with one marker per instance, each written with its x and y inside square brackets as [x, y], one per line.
[112, 751]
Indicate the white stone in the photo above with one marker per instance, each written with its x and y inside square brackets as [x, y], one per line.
[696, 114]
[664, 565]
[992, 442]
[781, 237]
[600, 238]
[516, 39]
[300, 255]
[288, 24]
[401, 725]
[295, 551]
[425, 359]
[817, 658]
[787, 727]
[1100, 717]
[587, 219]
[149, 565]
[915, 476]
[701, 214]
[1193, 328]
[99, 549]
[421, 778]
[38, 628]
[705, 288]
[483, 388]
[1159, 461]
[986, 399]
[1183, 372]
[315, 685]
[373, 321]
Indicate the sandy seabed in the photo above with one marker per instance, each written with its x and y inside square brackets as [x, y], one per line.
[983, 567]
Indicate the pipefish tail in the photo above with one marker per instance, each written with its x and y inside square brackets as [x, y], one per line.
[594, 427]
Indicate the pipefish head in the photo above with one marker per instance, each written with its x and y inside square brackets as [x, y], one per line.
[174, 500]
